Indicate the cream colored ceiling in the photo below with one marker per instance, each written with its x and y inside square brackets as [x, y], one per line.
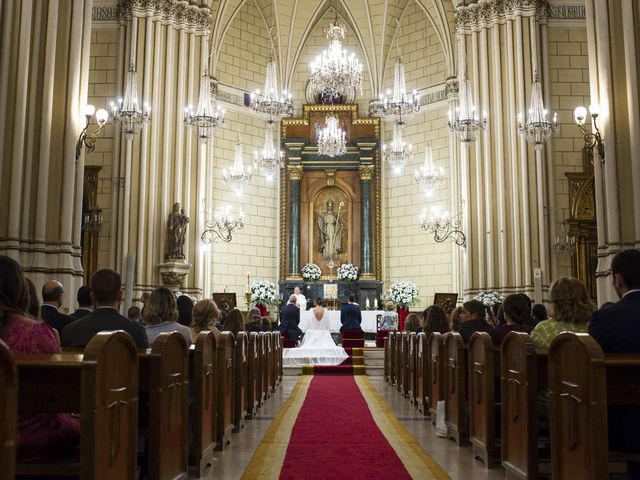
[373, 22]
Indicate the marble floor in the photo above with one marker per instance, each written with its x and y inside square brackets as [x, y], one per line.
[230, 463]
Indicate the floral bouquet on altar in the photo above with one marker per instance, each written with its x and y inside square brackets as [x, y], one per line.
[311, 272]
[403, 293]
[347, 272]
[489, 298]
[263, 292]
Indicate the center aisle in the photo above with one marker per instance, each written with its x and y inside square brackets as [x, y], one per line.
[339, 427]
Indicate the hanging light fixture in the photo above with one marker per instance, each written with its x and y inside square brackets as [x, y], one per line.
[222, 225]
[564, 243]
[537, 129]
[443, 226]
[268, 101]
[466, 123]
[332, 139]
[427, 175]
[398, 153]
[335, 72]
[238, 176]
[398, 103]
[207, 116]
[268, 160]
[127, 113]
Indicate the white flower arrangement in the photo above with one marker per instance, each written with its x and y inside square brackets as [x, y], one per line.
[263, 292]
[311, 272]
[347, 272]
[403, 293]
[489, 298]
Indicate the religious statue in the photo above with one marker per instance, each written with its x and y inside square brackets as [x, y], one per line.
[330, 231]
[176, 233]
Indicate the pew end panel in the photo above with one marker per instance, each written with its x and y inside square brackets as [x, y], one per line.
[253, 360]
[422, 369]
[8, 412]
[436, 371]
[240, 382]
[225, 389]
[455, 395]
[411, 368]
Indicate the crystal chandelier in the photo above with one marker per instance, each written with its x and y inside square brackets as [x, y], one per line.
[332, 139]
[398, 154]
[222, 225]
[336, 72]
[466, 123]
[127, 113]
[238, 176]
[564, 244]
[399, 104]
[537, 130]
[443, 226]
[268, 102]
[92, 220]
[207, 116]
[269, 160]
[428, 176]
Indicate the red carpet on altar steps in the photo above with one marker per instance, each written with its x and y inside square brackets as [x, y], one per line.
[335, 437]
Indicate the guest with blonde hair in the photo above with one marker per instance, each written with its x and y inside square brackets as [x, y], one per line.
[413, 323]
[161, 315]
[389, 318]
[204, 316]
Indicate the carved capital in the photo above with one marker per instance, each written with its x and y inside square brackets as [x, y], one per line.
[451, 87]
[173, 279]
[295, 172]
[366, 172]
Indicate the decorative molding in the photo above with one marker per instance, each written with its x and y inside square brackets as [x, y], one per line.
[104, 14]
[451, 88]
[478, 16]
[181, 13]
[295, 172]
[568, 12]
[366, 172]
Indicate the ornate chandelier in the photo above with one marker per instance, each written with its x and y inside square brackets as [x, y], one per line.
[269, 160]
[443, 226]
[332, 139]
[128, 113]
[399, 104]
[537, 130]
[427, 175]
[238, 176]
[207, 116]
[336, 72]
[466, 123]
[398, 153]
[268, 102]
[222, 225]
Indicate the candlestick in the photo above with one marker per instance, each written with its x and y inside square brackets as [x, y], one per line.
[248, 282]
[366, 303]
[375, 303]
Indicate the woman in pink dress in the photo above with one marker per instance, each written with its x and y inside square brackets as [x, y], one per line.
[39, 434]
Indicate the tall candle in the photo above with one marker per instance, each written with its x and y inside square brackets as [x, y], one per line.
[375, 303]
[366, 303]
[248, 280]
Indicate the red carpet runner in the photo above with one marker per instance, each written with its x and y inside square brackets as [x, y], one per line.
[336, 437]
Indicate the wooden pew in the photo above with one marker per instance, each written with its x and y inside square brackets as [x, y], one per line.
[436, 361]
[225, 389]
[399, 361]
[253, 364]
[422, 377]
[240, 381]
[101, 384]
[202, 374]
[583, 383]
[8, 412]
[403, 364]
[260, 351]
[455, 389]
[268, 369]
[484, 370]
[387, 363]
[279, 351]
[275, 341]
[393, 357]
[522, 372]
[411, 368]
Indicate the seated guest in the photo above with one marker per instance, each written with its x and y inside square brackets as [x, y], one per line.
[350, 315]
[234, 322]
[455, 319]
[39, 435]
[134, 314]
[161, 315]
[185, 310]
[106, 295]
[571, 309]
[52, 295]
[538, 313]
[253, 312]
[205, 315]
[253, 325]
[516, 315]
[473, 319]
[412, 323]
[389, 318]
[290, 320]
[435, 320]
[265, 324]
[33, 311]
[617, 329]
[85, 306]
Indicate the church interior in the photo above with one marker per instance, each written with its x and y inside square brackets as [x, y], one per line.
[299, 240]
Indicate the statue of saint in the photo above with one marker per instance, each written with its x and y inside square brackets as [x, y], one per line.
[176, 233]
[330, 231]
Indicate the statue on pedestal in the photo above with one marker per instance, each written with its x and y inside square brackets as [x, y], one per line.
[176, 233]
[330, 231]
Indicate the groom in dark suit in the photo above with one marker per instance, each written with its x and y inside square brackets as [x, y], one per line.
[350, 315]
[290, 319]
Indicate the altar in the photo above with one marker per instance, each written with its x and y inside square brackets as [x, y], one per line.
[369, 320]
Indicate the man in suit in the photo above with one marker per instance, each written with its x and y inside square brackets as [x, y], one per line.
[52, 296]
[290, 319]
[350, 315]
[85, 305]
[617, 329]
[106, 294]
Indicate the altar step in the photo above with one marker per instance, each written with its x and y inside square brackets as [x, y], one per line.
[361, 361]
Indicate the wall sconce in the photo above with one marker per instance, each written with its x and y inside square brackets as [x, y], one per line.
[222, 225]
[591, 139]
[443, 226]
[86, 138]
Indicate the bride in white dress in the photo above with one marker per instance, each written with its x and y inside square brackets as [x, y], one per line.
[317, 347]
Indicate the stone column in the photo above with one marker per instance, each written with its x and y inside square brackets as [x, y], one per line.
[366, 230]
[295, 175]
